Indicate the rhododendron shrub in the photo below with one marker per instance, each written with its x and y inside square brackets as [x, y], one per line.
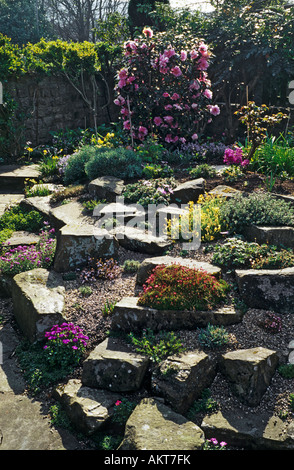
[163, 88]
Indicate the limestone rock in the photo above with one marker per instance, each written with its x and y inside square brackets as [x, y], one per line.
[188, 191]
[128, 316]
[66, 214]
[149, 264]
[38, 301]
[249, 372]
[21, 238]
[135, 239]
[154, 426]
[253, 431]
[106, 187]
[76, 243]
[224, 191]
[267, 288]
[88, 409]
[38, 203]
[279, 236]
[181, 379]
[113, 366]
[9, 200]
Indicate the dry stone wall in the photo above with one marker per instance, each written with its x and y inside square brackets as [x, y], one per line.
[52, 103]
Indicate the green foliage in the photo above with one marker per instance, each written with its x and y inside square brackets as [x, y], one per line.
[276, 156]
[131, 266]
[213, 336]
[59, 417]
[286, 371]
[203, 171]
[156, 346]
[256, 208]
[205, 404]
[18, 219]
[86, 291]
[146, 192]
[235, 253]
[258, 121]
[154, 170]
[75, 170]
[139, 12]
[108, 308]
[122, 410]
[119, 162]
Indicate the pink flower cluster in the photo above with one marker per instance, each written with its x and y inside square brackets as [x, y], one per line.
[235, 157]
[164, 89]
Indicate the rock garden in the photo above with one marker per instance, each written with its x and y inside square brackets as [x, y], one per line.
[147, 274]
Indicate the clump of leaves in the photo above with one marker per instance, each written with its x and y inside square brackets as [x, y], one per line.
[213, 336]
[286, 371]
[205, 404]
[156, 346]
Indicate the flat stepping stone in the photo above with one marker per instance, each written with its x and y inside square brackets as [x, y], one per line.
[129, 316]
[267, 288]
[147, 266]
[76, 243]
[38, 203]
[280, 236]
[113, 366]
[134, 239]
[14, 176]
[181, 379]
[88, 409]
[65, 214]
[252, 431]
[38, 301]
[21, 238]
[154, 426]
[249, 372]
[188, 191]
[106, 187]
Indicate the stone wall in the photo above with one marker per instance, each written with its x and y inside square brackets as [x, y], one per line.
[52, 103]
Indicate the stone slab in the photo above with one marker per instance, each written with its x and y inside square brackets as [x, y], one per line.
[154, 426]
[137, 240]
[267, 288]
[113, 366]
[280, 236]
[128, 316]
[249, 431]
[38, 301]
[88, 409]
[76, 243]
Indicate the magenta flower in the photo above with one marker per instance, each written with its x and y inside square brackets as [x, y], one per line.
[175, 96]
[183, 56]
[168, 119]
[176, 71]
[214, 110]
[157, 121]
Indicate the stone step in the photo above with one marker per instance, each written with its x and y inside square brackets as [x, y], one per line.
[9, 200]
[129, 316]
[13, 177]
[88, 409]
[113, 366]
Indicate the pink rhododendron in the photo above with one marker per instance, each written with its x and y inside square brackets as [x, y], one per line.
[176, 71]
[175, 96]
[184, 56]
[214, 110]
[158, 121]
[148, 32]
[208, 93]
[165, 87]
